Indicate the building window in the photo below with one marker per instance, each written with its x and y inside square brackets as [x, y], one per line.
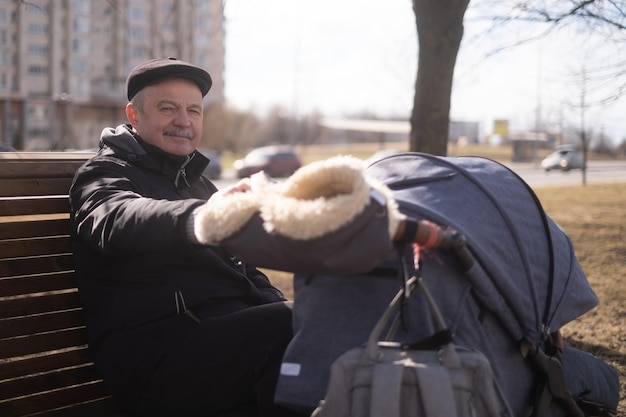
[37, 29]
[81, 6]
[80, 66]
[136, 33]
[81, 46]
[134, 51]
[37, 132]
[3, 81]
[81, 87]
[37, 70]
[36, 9]
[3, 37]
[37, 50]
[3, 15]
[37, 112]
[81, 24]
[136, 13]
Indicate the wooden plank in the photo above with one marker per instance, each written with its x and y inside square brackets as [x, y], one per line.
[55, 379]
[45, 156]
[64, 280]
[38, 343]
[102, 407]
[19, 187]
[51, 361]
[33, 266]
[40, 323]
[48, 302]
[34, 165]
[30, 206]
[26, 248]
[26, 406]
[34, 228]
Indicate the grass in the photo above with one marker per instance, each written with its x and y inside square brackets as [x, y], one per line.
[594, 216]
[310, 153]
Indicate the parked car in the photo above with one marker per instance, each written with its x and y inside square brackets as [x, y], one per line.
[214, 170]
[563, 159]
[276, 161]
[6, 148]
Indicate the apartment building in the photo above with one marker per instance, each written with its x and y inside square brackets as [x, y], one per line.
[63, 63]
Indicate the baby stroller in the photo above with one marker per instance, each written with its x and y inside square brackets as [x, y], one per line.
[522, 285]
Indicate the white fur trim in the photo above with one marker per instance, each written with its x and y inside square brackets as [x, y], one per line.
[220, 217]
[318, 199]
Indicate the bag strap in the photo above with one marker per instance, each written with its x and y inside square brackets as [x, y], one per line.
[411, 277]
[370, 354]
[436, 392]
[433, 384]
[386, 390]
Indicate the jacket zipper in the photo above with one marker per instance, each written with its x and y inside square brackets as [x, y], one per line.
[181, 307]
[182, 172]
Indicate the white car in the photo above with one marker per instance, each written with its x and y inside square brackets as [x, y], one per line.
[564, 159]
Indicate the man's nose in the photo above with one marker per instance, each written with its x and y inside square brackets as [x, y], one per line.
[182, 118]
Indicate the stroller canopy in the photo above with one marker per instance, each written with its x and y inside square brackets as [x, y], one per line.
[526, 271]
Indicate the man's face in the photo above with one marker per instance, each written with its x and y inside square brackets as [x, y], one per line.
[168, 115]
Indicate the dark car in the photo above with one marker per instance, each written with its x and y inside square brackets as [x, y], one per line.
[563, 159]
[276, 161]
[214, 170]
[6, 148]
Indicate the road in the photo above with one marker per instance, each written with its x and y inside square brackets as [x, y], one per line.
[597, 172]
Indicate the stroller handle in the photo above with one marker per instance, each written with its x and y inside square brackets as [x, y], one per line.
[432, 236]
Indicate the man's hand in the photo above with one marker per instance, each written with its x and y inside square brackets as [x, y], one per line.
[241, 186]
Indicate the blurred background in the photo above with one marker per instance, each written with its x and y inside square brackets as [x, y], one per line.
[319, 73]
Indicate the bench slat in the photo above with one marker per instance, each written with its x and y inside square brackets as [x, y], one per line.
[38, 343]
[49, 302]
[54, 292]
[47, 381]
[48, 362]
[102, 407]
[35, 247]
[39, 165]
[34, 228]
[33, 266]
[39, 323]
[32, 206]
[20, 187]
[51, 400]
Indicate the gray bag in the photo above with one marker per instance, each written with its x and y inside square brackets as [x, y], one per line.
[389, 379]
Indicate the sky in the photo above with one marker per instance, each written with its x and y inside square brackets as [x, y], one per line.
[349, 57]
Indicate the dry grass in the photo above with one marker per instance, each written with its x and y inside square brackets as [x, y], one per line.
[594, 216]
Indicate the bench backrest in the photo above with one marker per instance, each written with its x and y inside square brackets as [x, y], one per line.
[45, 369]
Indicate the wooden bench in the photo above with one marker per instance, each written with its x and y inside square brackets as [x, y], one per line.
[45, 369]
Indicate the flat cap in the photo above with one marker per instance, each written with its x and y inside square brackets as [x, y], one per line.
[159, 69]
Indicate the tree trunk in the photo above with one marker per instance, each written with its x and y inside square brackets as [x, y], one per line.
[440, 30]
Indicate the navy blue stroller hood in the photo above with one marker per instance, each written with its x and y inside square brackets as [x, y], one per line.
[526, 270]
[524, 284]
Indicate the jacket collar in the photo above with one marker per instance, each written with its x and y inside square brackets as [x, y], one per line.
[128, 145]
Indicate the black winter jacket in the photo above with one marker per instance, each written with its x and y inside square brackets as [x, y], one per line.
[136, 266]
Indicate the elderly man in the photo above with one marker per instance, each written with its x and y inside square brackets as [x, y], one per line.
[176, 328]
